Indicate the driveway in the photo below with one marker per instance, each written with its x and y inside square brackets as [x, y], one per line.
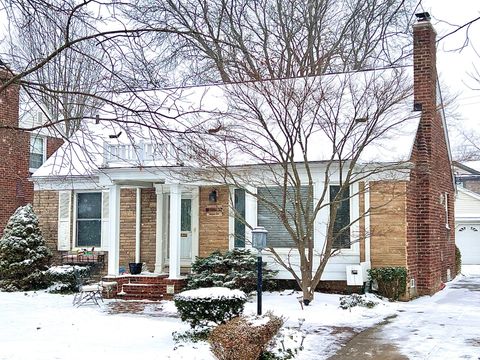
[443, 326]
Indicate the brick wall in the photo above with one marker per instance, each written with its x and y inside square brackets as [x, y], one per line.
[430, 245]
[147, 228]
[127, 227]
[15, 190]
[45, 204]
[388, 223]
[213, 219]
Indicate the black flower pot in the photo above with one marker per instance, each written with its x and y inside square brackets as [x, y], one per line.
[135, 268]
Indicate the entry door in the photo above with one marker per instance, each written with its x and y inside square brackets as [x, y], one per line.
[186, 230]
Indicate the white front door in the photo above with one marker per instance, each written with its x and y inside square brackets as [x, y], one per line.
[185, 230]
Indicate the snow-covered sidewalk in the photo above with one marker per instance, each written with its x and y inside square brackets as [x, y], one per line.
[46, 326]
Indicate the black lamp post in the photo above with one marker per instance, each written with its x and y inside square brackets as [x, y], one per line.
[259, 242]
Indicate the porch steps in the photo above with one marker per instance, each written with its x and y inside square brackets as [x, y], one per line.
[151, 287]
[138, 291]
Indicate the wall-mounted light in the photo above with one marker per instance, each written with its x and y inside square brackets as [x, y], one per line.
[213, 196]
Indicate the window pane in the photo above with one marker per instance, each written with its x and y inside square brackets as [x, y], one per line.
[239, 217]
[36, 145]
[342, 219]
[89, 206]
[186, 215]
[278, 235]
[36, 160]
[88, 233]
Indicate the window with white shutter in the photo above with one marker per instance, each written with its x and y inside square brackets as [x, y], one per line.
[64, 220]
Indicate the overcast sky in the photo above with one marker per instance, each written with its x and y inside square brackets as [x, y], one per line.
[454, 65]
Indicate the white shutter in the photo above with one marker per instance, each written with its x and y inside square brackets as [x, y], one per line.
[64, 220]
[105, 219]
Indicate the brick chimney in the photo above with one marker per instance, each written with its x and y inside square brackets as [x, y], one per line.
[15, 189]
[430, 232]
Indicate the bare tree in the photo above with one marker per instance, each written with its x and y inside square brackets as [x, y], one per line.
[62, 87]
[250, 40]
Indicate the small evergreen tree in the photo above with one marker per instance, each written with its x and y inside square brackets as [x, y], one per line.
[23, 254]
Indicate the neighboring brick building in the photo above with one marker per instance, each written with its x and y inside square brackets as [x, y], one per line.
[15, 188]
[125, 202]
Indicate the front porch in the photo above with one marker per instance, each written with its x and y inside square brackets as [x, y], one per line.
[142, 220]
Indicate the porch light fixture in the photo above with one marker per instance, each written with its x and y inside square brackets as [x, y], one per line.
[259, 242]
[213, 196]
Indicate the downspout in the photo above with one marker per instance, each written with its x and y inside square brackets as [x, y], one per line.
[138, 217]
[367, 226]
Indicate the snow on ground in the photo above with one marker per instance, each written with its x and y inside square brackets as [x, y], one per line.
[41, 326]
[443, 326]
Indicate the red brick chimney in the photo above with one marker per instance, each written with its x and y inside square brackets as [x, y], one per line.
[430, 234]
[15, 189]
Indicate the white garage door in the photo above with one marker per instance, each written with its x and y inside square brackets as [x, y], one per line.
[467, 238]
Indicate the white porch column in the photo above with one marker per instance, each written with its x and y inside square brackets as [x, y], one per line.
[175, 213]
[138, 218]
[159, 232]
[114, 231]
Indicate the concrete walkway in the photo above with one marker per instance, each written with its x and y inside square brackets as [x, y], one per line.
[444, 326]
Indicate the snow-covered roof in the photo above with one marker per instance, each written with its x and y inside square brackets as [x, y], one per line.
[173, 126]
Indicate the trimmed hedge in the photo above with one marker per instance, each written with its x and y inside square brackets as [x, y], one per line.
[203, 306]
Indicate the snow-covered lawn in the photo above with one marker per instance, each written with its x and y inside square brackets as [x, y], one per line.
[46, 326]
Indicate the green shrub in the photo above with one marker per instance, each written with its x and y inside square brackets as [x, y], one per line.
[23, 254]
[458, 260]
[349, 301]
[202, 306]
[235, 269]
[391, 281]
[244, 338]
[65, 279]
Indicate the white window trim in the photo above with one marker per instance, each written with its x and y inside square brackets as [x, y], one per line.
[44, 141]
[354, 248]
[74, 222]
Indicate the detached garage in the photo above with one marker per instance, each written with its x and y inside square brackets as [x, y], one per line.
[467, 226]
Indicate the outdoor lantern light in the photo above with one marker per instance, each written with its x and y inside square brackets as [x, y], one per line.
[212, 197]
[259, 242]
[259, 238]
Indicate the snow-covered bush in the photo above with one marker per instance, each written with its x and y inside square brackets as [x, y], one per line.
[244, 337]
[349, 301]
[65, 279]
[23, 254]
[203, 306]
[236, 269]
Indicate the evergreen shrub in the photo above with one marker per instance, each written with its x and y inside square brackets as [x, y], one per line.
[235, 269]
[24, 257]
[66, 279]
[209, 305]
[391, 281]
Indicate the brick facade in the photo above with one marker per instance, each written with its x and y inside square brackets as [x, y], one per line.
[147, 228]
[430, 244]
[15, 188]
[388, 232]
[45, 204]
[213, 220]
